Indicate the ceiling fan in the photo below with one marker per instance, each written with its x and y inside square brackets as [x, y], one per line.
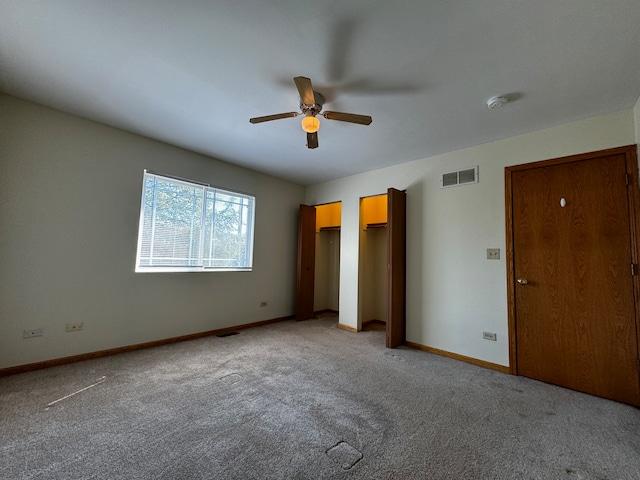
[311, 104]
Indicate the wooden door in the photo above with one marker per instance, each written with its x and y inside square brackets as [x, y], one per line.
[306, 262]
[573, 289]
[396, 258]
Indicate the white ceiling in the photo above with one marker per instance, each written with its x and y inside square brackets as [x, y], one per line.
[192, 73]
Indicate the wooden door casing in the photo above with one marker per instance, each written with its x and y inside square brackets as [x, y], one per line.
[574, 323]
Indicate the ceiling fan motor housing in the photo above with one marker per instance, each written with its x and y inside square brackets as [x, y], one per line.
[315, 108]
[311, 103]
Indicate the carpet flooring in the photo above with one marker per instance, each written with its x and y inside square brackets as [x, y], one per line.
[304, 400]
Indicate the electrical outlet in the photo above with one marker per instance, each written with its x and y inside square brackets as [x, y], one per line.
[263, 304]
[489, 336]
[493, 254]
[34, 332]
[73, 327]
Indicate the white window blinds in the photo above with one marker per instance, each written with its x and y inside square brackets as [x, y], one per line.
[188, 226]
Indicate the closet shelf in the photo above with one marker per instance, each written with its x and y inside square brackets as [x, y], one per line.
[377, 225]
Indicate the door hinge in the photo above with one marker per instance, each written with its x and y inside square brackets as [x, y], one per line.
[638, 364]
[634, 270]
[626, 179]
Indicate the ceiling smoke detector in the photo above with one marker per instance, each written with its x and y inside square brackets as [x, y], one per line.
[496, 102]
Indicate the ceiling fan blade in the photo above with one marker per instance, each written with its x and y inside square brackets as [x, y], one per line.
[277, 116]
[305, 89]
[348, 117]
[312, 140]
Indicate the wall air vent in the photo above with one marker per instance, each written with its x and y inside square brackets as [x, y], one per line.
[459, 177]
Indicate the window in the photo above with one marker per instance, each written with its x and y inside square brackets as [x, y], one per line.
[188, 226]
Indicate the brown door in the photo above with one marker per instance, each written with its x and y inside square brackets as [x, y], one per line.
[306, 262]
[572, 282]
[396, 258]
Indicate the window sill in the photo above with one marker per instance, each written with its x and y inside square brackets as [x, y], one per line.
[190, 270]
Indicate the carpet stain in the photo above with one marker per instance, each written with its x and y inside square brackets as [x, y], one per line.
[231, 379]
[573, 473]
[344, 455]
[395, 356]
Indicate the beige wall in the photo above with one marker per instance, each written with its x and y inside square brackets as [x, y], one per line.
[453, 292]
[69, 204]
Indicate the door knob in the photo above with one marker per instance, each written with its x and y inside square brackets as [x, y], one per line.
[523, 281]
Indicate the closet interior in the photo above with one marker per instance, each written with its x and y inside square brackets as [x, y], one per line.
[373, 296]
[327, 258]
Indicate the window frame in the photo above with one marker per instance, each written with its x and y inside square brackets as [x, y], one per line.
[208, 189]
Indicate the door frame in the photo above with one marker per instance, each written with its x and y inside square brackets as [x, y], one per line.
[630, 153]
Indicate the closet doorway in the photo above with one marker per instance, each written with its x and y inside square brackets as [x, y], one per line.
[382, 264]
[327, 257]
[373, 262]
[318, 276]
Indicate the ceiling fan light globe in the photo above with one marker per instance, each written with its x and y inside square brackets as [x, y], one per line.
[310, 124]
